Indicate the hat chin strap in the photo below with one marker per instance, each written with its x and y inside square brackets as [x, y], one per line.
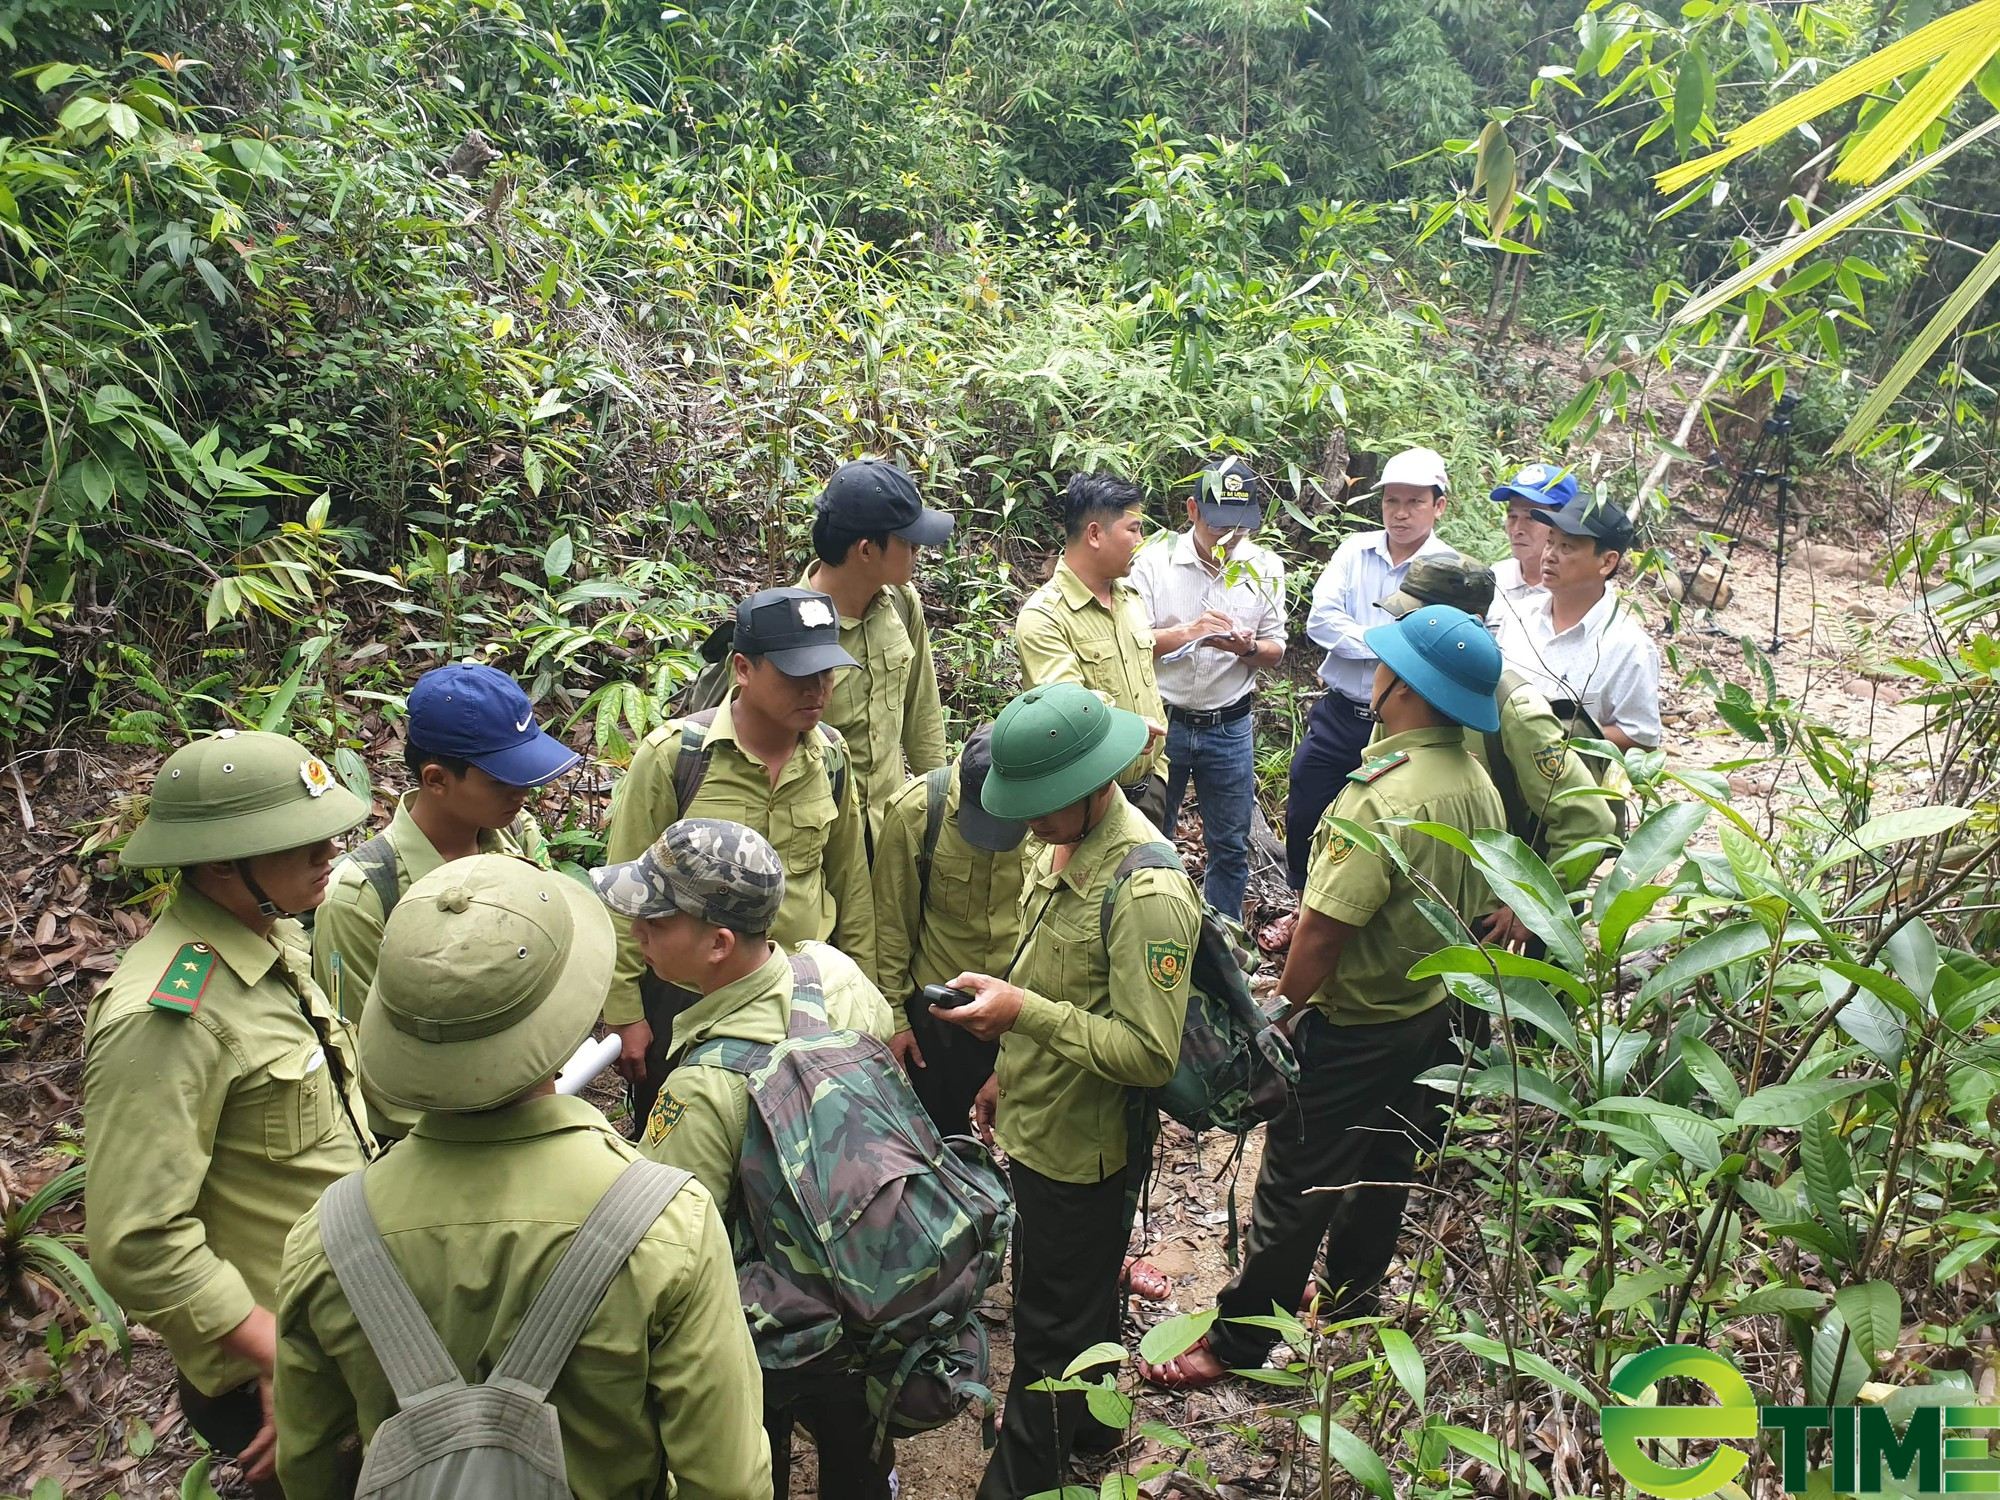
[265, 905]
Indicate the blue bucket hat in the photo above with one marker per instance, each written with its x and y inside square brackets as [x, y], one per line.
[474, 712]
[1449, 658]
[1539, 484]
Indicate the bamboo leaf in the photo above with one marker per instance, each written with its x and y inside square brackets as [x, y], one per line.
[1957, 308]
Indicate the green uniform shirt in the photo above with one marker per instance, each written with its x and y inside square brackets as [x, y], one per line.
[827, 892]
[1065, 635]
[476, 1210]
[969, 920]
[1094, 1024]
[698, 1121]
[349, 922]
[1425, 775]
[1546, 769]
[887, 708]
[210, 1132]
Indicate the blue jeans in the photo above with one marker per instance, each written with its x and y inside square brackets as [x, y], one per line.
[1225, 787]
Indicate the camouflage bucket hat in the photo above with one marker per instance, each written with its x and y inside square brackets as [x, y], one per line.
[1055, 745]
[721, 872]
[237, 795]
[492, 972]
[1457, 581]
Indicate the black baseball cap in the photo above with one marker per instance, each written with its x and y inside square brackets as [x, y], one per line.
[1229, 496]
[976, 825]
[870, 496]
[798, 630]
[1586, 515]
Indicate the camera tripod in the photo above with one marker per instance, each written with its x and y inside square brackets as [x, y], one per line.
[1769, 463]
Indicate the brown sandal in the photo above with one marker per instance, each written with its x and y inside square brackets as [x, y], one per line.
[1178, 1374]
[1142, 1279]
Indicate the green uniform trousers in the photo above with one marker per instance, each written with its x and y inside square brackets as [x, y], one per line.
[1356, 1116]
[1069, 1244]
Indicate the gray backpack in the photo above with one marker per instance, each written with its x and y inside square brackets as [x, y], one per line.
[500, 1440]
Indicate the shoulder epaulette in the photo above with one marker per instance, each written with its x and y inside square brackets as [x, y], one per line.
[1381, 765]
[181, 986]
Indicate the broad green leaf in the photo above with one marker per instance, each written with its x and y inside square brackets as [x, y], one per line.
[1521, 881]
[1829, 1171]
[1656, 843]
[1786, 1106]
[1711, 1072]
[1405, 1363]
[352, 771]
[561, 553]
[1627, 910]
[1109, 1405]
[194, 1483]
[1525, 999]
[1912, 951]
[1118, 1487]
[1885, 987]
[1779, 1299]
[1891, 828]
[1504, 1080]
[1869, 1020]
[1630, 1291]
[1964, 1255]
[1826, 1384]
[1097, 1354]
[1523, 1362]
[1716, 950]
[1352, 1454]
[1483, 963]
[1874, 1312]
[1692, 86]
[1475, 1444]
[1175, 1336]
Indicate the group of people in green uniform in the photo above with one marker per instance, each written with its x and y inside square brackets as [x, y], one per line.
[242, 1061]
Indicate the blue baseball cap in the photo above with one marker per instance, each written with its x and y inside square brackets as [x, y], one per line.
[478, 713]
[1449, 658]
[1539, 484]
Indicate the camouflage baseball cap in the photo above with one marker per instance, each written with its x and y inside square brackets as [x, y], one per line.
[721, 872]
[1457, 581]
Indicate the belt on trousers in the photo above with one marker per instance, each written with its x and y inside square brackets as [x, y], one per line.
[1359, 710]
[1209, 718]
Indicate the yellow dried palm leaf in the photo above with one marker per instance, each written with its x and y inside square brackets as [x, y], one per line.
[1968, 37]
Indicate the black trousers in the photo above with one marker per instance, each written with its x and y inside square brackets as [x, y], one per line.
[834, 1410]
[1337, 733]
[1356, 1116]
[228, 1422]
[661, 1002]
[956, 1066]
[1069, 1243]
[1150, 797]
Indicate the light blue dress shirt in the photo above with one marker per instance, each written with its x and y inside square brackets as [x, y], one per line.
[1346, 601]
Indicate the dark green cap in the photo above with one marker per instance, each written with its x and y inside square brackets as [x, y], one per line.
[1457, 581]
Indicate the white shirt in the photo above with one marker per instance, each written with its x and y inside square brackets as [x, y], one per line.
[1606, 661]
[1176, 588]
[1345, 602]
[1511, 592]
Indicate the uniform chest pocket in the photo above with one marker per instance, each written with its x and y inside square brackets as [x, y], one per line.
[299, 1106]
[1098, 655]
[951, 892]
[1070, 945]
[897, 654]
[800, 830]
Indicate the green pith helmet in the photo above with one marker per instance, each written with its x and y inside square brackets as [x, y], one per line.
[1055, 745]
[492, 972]
[236, 796]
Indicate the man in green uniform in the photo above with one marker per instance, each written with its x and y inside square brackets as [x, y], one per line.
[1088, 624]
[948, 895]
[1553, 802]
[219, 1094]
[491, 975]
[478, 756]
[702, 903]
[1368, 1029]
[867, 526]
[1082, 1023]
[762, 759]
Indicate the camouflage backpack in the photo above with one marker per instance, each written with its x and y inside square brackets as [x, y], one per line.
[868, 1241]
[1235, 1063]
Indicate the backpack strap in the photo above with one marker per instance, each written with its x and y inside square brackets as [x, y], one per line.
[834, 749]
[1501, 770]
[376, 860]
[1151, 856]
[393, 1322]
[937, 789]
[808, 997]
[603, 1243]
[691, 758]
[909, 608]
